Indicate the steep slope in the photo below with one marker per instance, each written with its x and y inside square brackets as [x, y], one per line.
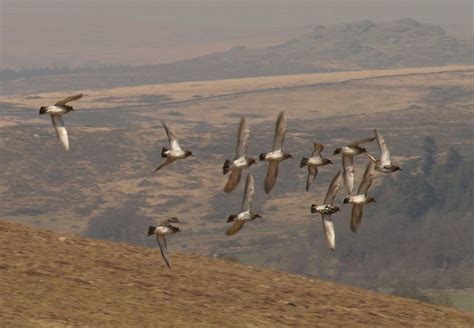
[52, 280]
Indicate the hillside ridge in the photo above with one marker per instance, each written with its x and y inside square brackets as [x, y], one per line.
[62, 280]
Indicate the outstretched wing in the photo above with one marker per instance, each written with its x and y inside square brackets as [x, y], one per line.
[367, 179]
[333, 189]
[249, 193]
[318, 148]
[171, 138]
[312, 172]
[170, 220]
[238, 224]
[328, 226]
[61, 131]
[270, 179]
[162, 244]
[361, 141]
[243, 138]
[233, 181]
[280, 131]
[348, 172]
[371, 157]
[384, 153]
[356, 217]
[168, 161]
[68, 99]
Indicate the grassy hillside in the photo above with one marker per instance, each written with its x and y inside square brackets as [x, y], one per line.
[57, 280]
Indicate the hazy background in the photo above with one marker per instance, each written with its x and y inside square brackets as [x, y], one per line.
[67, 33]
[123, 56]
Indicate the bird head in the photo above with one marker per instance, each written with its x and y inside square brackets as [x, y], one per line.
[151, 230]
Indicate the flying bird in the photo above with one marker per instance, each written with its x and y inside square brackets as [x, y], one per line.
[164, 229]
[328, 208]
[241, 161]
[246, 213]
[384, 164]
[57, 111]
[348, 153]
[276, 155]
[174, 152]
[313, 162]
[358, 201]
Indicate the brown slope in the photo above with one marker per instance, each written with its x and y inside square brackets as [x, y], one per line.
[52, 280]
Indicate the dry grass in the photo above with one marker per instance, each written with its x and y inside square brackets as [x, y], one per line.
[49, 280]
[186, 91]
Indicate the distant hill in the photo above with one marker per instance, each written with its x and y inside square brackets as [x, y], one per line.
[352, 46]
[64, 280]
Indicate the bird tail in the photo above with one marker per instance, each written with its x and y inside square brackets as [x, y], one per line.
[337, 151]
[175, 229]
[231, 218]
[163, 152]
[226, 166]
[151, 230]
[262, 156]
[43, 110]
[304, 162]
[313, 208]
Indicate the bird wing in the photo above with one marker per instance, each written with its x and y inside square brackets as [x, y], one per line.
[318, 148]
[61, 131]
[170, 220]
[249, 193]
[270, 179]
[348, 172]
[233, 181]
[163, 247]
[367, 179]
[243, 138]
[361, 141]
[280, 131]
[238, 224]
[356, 217]
[171, 138]
[328, 226]
[371, 157]
[68, 99]
[333, 189]
[168, 161]
[384, 152]
[312, 172]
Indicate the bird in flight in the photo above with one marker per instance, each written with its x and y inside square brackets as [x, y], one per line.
[348, 153]
[246, 213]
[384, 164]
[174, 152]
[328, 208]
[313, 162]
[165, 228]
[358, 201]
[57, 111]
[276, 155]
[241, 161]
